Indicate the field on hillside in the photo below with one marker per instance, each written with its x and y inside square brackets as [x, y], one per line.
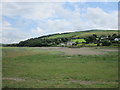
[78, 40]
[59, 67]
[85, 34]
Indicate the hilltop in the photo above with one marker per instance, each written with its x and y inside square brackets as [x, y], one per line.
[72, 38]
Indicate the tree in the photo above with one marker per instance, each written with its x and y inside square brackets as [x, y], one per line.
[106, 43]
[114, 35]
[76, 42]
[95, 35]
[91, 39]
[98, 44]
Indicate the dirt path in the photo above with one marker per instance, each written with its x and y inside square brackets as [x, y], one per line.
[70, 81]
[92, 82]
[13, 78]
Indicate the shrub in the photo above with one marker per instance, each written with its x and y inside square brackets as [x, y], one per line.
[81, 45]
[91, 45]
[98, 44]
[106, 43]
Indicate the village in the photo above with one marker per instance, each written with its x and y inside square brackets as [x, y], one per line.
[93, 40]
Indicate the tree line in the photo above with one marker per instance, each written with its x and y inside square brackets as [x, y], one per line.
[104, 40]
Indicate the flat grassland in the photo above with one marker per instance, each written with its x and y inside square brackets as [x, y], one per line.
[57, 67]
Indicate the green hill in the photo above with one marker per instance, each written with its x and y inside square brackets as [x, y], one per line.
[56, 39]
[83, 34]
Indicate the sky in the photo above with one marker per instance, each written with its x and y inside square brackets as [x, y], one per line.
[24, 20]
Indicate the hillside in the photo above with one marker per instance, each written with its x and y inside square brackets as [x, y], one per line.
[83, 34]
[56, 39]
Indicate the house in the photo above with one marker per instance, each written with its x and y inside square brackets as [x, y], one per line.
[116, 39]
[62, 44]
[69, 43]
[103, 37]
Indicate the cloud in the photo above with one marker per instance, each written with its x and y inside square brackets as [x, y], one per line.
[68, 15]
[60, 1]
[52, 18]
[33, 11]
[12, 35]
[93, 18]
[40, 11]
[97, 18]
[38, 31]
[59, 25]
[6, 24]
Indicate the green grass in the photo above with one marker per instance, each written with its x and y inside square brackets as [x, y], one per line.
[98, 33]
[79, 40]
[85, 34]
[64, 35]
[91, 45]
[52, 69]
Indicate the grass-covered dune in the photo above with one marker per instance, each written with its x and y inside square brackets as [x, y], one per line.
[25, 67]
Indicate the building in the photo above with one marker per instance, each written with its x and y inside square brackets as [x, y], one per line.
[62, 44]
[69, 43]
[117, 39]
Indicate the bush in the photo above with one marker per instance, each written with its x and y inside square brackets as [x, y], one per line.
[91, 45]
[115, 41]
[106, 43]
[98, 44]
[81, 45]
[115, 44]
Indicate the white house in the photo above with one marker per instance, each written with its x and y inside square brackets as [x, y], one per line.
[62, 44]
[104, 37]
[69, 43]
[116, 39]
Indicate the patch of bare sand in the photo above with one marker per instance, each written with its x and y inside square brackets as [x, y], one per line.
[109, 50]
[13, 53]
[80, 51]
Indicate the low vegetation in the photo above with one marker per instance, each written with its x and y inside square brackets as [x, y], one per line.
[28, 67]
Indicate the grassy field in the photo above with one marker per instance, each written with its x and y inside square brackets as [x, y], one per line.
[78, 40]
[25, 67]
[85, 34]
[98, 33]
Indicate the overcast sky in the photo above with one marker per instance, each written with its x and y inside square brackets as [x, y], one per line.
[27, 20]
